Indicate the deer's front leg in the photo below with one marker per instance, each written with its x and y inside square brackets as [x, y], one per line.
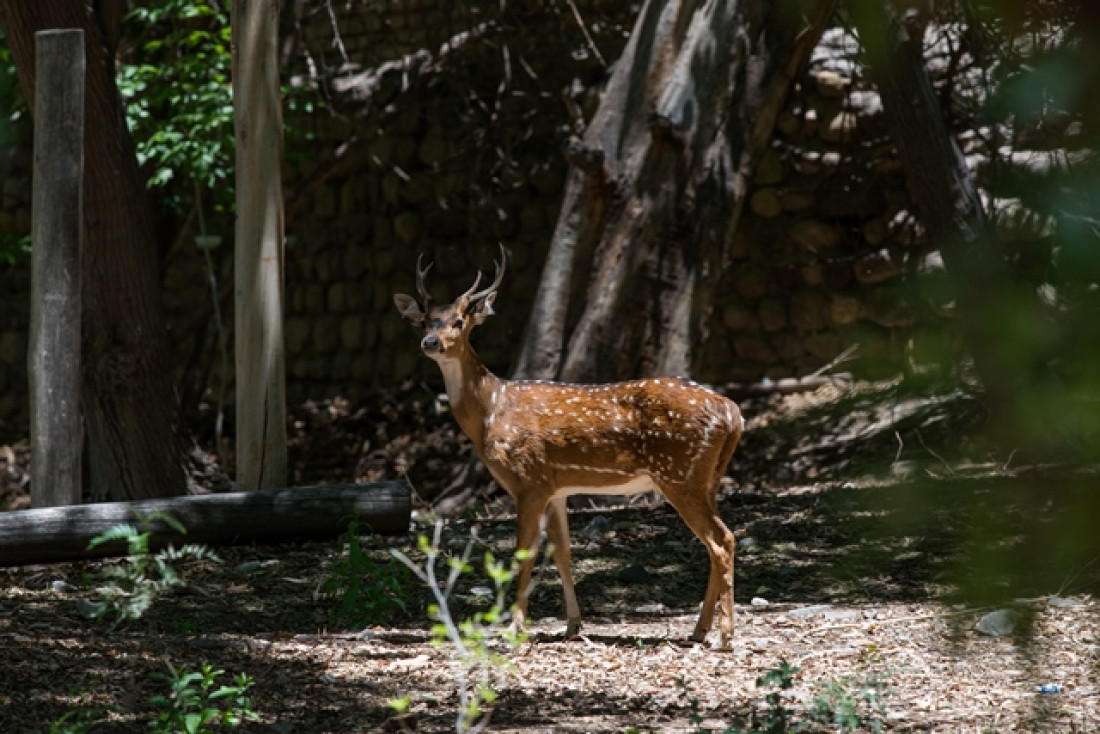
[557, 528]
[529, 512]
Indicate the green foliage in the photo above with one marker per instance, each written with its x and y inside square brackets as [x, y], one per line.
[1044, 88]
[850, 705]
[178, 94]
[132, 587]
[366, 592]
[480, 646]
[14, 248]
[176, 84]
[776, 717]
[80, 721]
[842, 706]
[196, 703]
[11, 99]
[694, 717]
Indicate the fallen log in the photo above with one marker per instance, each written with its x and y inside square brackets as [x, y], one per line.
[54, 534]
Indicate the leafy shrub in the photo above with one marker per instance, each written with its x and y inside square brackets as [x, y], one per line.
[366, 592]
[133, 586]
[842, 706]
[481, 645]
[195, 702]
[850, 705]
[177, 89]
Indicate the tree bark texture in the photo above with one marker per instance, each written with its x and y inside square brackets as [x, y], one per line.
[137, 444]
[946, 200]
[55, 534]
[656, 189]
[258, 263]
[53, 360]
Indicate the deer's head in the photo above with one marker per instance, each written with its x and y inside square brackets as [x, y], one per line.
[447, 328]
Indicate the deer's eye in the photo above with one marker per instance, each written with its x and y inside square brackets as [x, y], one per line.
[459, 323]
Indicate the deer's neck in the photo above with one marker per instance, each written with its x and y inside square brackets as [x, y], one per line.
[470, 386]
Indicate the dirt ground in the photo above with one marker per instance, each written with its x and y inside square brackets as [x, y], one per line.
[874, 536]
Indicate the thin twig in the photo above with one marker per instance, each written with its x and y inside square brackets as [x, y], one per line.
[219, 325]
[845, 356]
[584, 29]
[337, 41]
[1067, 582]
[941, 459]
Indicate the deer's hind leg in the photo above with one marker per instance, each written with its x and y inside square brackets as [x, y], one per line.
[701, 515]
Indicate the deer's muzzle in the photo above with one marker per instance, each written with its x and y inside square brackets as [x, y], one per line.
[431, 344]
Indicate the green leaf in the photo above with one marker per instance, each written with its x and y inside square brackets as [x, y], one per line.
[118, 532]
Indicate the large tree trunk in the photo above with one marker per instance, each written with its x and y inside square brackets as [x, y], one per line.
[946, 199]
[657, 187]
[137, 444]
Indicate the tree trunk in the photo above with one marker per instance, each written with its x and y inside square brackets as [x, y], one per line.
[258, 259]
[657, 187]
[948, 204]
[137, 443]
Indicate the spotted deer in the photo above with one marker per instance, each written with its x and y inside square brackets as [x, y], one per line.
[544, 441]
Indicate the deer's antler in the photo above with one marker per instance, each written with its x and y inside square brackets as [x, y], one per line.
[420, 288]
[497, 279]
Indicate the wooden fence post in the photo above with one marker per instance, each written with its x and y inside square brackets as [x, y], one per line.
[53, 355]
[258, 259]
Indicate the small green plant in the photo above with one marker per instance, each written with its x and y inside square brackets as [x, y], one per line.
[366, 592]
[196, 702]
[843, 706]
[80, 721]
[481, 645]
[850, 705]
[133, 586]
[694, 718]
[14, 248]
[776, 718]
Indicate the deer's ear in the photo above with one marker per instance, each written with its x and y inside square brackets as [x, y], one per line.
[409, 308]
[483, 308]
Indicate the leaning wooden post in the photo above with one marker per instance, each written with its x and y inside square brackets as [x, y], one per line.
[258, 261]
[53, 356]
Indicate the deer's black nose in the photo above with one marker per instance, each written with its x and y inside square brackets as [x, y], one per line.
[431, 343]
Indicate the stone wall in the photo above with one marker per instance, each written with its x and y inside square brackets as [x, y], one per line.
[819, 258]
[446, 163]
[423, 148]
